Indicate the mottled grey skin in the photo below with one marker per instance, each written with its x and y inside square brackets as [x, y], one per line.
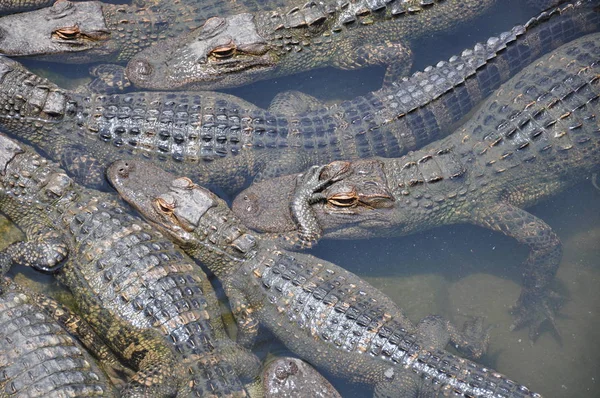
[225, 142]
[536, 136]
[321, 312]
[92, 31]
[38, 358]
[234, 50]
[150, 303]
[289, 377]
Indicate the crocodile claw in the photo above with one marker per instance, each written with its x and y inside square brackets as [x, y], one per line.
[533, 309]
[477, 333]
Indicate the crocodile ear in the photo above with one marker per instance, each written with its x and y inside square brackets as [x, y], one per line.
[8, 150]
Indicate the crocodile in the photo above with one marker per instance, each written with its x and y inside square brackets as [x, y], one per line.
[323, 313]
[536, 136]
[289, 377]
[153, 306]
[239, 49]
[38, 358]
[92, 31]
[224, 142]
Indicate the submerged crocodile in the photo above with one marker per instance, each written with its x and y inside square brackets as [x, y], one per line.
[38, 358]
[92, 31]
[536, 136]
[132, 285]
[235, 50]
[323, 313]
[223, 141]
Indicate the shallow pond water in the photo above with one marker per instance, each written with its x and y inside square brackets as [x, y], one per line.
[459, 271]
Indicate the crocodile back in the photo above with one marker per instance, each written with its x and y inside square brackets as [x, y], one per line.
[37, 357]
[120, 264]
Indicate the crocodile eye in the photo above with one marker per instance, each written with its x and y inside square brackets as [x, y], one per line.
[164, 206]
[344, 201]
[67, 33]
[225, 51]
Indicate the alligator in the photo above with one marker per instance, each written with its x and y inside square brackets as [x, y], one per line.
[151, 304]
[92, 31]
[239, 49]
[288, 377]
[222, 141]
[323, 313]
[38, 358]
[536, 136]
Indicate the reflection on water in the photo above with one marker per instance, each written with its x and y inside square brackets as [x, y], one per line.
[458, 271]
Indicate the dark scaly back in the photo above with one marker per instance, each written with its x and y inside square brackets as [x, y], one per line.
[127, 276]
[38, 358]
[219, 139]
[325, 314]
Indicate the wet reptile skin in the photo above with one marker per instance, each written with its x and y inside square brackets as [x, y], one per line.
[14, 6]
[152, 305]
[321, 312]
[223, 141]
[92, 31]
[240, 49]
[38, 358]
[536, 136]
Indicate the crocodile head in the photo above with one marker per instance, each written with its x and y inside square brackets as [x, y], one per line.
[224, 52]
[51, 32]
[174, 204]
[357, 198]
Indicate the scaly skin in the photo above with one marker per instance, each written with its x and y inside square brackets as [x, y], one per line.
[224, 142]
[37, 357]
[132, 285]
[535, 137]
[323, 313]
[81, 32]
[14, 6]
[240, 49]
[288, 377]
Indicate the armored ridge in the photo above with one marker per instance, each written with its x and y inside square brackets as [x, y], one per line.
[240, 49]
[92, 31]
[535, 137]
[37, 357]
[325, 314]
[224, 141]
[131, 284]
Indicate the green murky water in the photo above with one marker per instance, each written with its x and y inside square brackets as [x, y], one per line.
[456, 271]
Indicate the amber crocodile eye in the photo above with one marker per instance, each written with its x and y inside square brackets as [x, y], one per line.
[225, 51]
[67, 33]
[164, 206]
[344, 200]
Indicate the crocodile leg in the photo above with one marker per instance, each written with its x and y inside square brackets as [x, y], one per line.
[109, 79]
[396, 56]
[293, 102]
[536, 302]
[43, 252]
[472, 341]
[81, 330]
[247, 324]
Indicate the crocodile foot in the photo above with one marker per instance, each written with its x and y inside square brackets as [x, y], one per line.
[532, 309]
[477, 334]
